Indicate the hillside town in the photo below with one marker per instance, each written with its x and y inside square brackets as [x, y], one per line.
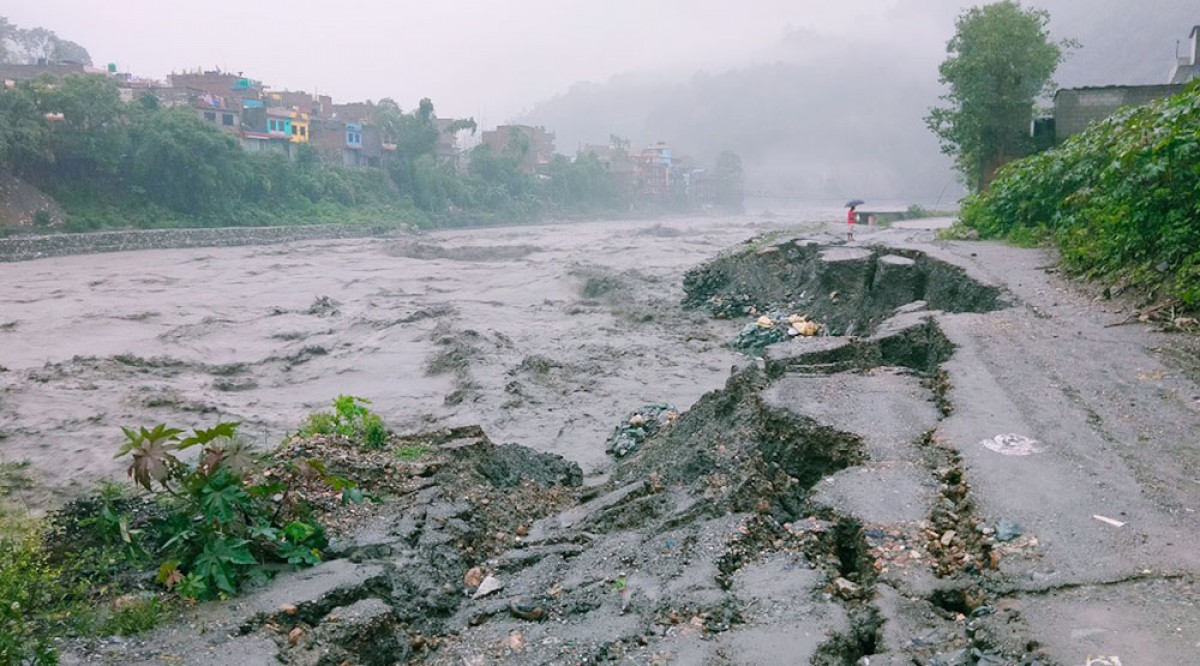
[263, 118]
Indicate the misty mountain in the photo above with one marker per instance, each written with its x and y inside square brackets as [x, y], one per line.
[829, 118]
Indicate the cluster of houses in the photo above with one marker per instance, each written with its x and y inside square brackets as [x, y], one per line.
[264, 119]
[655, 173]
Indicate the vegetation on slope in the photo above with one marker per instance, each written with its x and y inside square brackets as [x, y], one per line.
[1121, 200]
[113, 164]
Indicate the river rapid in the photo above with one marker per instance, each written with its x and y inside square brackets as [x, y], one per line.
[545, 335]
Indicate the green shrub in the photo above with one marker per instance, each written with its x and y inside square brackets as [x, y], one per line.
[225, 520]
[350, 418]
[135, 615]
[36, 603]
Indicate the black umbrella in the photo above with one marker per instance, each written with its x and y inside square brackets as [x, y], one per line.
[854, 203]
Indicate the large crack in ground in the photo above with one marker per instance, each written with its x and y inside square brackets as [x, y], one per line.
[781, 519]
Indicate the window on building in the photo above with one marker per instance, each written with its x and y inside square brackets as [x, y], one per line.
[303, 131]
[227, 119]
[210, 116]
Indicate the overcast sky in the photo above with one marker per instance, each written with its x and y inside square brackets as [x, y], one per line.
[485, 58]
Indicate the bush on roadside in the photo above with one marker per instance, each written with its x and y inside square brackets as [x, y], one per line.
[1121, 200]
[229, 518]
[37, 602]
[350, 418]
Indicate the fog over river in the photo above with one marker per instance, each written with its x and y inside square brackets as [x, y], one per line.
[544, 335]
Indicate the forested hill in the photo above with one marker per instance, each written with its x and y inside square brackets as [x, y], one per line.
[22, 46]
[823, 118]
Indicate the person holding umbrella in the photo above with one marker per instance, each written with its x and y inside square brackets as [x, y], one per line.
[852, 216]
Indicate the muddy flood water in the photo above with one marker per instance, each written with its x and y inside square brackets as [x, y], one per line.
[544, 335]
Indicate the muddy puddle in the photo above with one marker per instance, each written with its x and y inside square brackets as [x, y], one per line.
[543, 335]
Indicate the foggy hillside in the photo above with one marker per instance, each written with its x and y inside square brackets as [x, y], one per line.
[819, 116]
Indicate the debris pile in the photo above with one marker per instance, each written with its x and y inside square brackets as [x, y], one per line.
[640, 424]
[774, 327]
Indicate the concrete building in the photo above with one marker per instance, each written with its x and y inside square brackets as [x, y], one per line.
[347, 144]
[653, 170]
[287, 124]
[218, 112]
[316, 106]
[219, 84]
[447, 142]
[1076, 108]
[353, 112]
[534, 145]
[1187, 67]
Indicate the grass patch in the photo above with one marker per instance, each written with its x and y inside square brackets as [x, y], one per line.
[411, 452]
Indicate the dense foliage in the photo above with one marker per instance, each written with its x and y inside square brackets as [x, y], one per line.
[113, 164]
[1121, 199]
[116, 563]
[1000, 60]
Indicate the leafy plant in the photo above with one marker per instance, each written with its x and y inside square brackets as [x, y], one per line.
[1121, 199]
[227, 518]
[36, 601]
[134, 616]
[351, 418]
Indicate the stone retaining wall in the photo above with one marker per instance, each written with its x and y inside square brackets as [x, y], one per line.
[23, 248]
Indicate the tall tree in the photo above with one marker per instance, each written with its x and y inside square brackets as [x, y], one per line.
[1000, 60]
[6, 30]
[730, 181]
[21, 46]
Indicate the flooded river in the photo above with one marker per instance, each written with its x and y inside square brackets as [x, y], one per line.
[544, 335]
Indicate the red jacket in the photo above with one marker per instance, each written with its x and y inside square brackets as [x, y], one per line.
[851, 217]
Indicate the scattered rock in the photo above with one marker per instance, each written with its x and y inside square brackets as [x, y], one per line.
[487, 586]
[628, 437]
[847, 589]
[1007, 530]
[474, 577]
[524, 611]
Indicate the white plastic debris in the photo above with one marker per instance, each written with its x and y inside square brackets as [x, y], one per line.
[1011, 444]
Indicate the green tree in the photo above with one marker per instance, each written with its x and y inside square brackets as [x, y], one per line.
[1000, 60]
[730, 181]
[91, 135]
[186, 165]
[6, 30]
[24, 133]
